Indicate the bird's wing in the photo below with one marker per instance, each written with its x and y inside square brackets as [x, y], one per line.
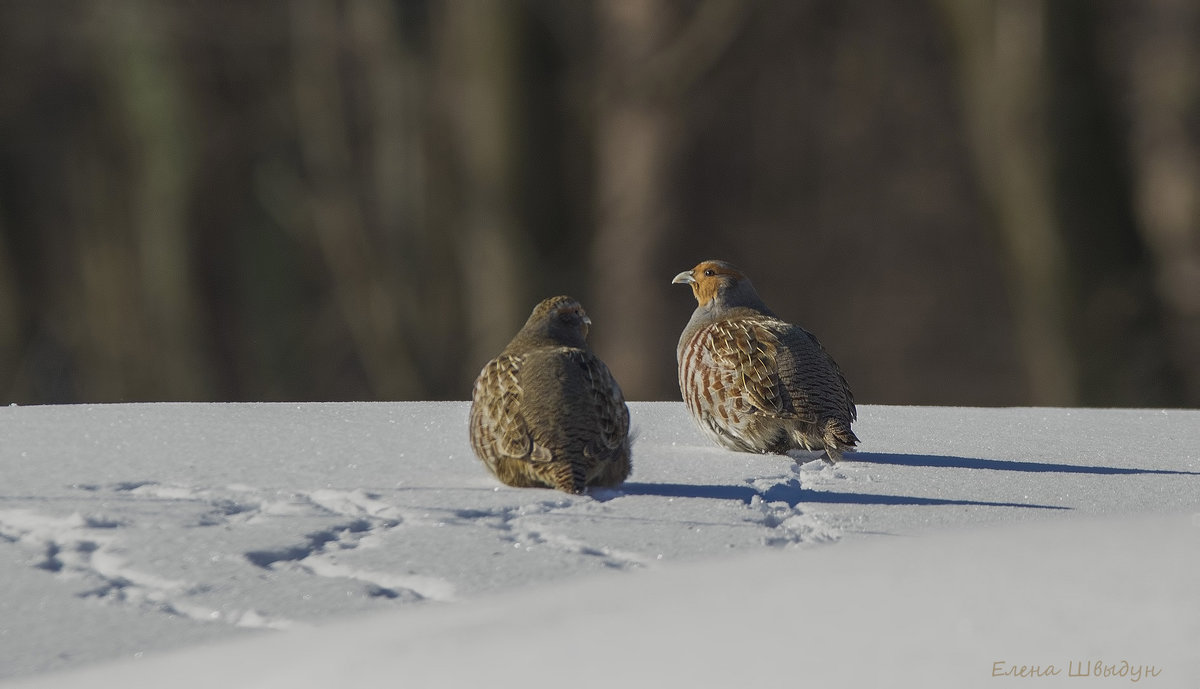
[815, 383]
[610, 412]
[750, 351]
[498, 428]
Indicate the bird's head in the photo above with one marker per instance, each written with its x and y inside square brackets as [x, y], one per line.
[560, 319]
[718, 284]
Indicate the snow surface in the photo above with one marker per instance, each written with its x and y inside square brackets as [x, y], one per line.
[152, 545]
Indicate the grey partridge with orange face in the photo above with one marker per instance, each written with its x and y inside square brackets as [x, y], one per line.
[753, 382]
[547, 412]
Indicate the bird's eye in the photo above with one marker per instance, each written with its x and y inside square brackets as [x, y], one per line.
[709, 272]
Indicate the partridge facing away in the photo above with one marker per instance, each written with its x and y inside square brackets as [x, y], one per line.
[753, 382]
[547, 412]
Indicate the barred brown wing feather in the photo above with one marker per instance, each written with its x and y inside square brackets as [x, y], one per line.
[498, 428]
[815, 382]
[752, 350]
[611, 415]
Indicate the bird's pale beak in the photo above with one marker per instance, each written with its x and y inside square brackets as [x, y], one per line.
[587, 325]
[684, 278]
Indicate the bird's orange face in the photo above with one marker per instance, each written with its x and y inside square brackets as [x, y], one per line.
[707, 279]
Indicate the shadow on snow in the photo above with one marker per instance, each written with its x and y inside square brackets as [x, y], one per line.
[793, 494]
[949, 462]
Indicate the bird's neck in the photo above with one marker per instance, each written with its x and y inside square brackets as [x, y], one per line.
[526, 341]
[716, 310]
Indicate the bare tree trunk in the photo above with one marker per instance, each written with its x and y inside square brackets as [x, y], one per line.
[100, 310]
[342, 226]
[1002, 70]
[635, 145]
[125, 302]
[417, 266]
[647, 59]
[12, 335]
[163, 294]
[477, 82]
[1159, 61]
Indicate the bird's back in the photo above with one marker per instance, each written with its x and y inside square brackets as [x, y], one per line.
[569, 415]
[571, 398]
[760, 384]
[814, 384]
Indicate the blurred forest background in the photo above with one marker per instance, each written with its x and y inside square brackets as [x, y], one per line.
[975, 202]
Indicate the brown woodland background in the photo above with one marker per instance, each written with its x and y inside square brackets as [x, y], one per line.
[970, 201]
